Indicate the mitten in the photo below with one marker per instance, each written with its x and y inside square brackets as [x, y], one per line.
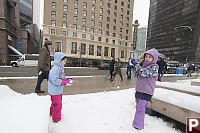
[40, 72]
[69, 81]
[63, 82]
[133, 62]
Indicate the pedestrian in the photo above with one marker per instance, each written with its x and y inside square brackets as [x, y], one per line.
[190, 70]
[112, 63]
[56, 83]
[44, 65]
[147, 74]
[117, 69]
[162, 69]
[128, 69]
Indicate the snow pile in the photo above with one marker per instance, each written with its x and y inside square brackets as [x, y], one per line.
[23, 113]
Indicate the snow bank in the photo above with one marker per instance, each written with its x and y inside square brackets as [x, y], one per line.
[183, 100]
[23, 113]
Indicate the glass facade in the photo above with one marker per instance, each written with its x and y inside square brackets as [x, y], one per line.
[172, 28]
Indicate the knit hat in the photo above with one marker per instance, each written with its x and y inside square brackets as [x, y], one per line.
[47, 42]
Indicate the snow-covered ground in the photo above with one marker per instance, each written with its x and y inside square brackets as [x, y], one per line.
[182, 85]
[104, 112]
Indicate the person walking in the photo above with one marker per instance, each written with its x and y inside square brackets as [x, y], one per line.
[112, 63]
[117, 69]
[190, 70]
[162, 68]
[128, 70]
[147, 74]
[56, 83]
[44, 65]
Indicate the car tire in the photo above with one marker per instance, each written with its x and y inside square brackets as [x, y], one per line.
[14, 64]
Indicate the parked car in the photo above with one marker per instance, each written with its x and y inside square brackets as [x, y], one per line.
[104, 66]
[28, 60]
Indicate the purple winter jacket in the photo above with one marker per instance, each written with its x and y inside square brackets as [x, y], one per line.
[148, 74]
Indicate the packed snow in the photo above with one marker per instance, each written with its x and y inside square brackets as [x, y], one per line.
[104, 112]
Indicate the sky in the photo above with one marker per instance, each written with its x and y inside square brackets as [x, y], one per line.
[141, 12]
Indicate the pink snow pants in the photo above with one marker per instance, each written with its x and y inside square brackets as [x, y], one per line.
[56, 106]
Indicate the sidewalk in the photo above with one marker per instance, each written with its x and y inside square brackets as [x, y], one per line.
[81, 85]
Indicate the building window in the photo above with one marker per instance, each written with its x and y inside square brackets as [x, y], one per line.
[64, 25]
[126, 31]
[100, 24]
[100, 17]
[58, 47]
[114, 28]
[75, 18]
[93, 1]
[108, 19]
[127, 19]
[91, 49]
[120, 36]
[122, 54]
[75, 26]
[53, 31]
[126, 44]
[84, 28]
[99, 39]
[114, 20]
[83, 48]
[106, 51]
[53, 22]
[53, 4]
[74, 35]
[128, 6]
[107, 40]
[75, 10]
[128, 0]
[76, 2]
[126, 37]
[122, 10]
[121, 23]
[93, 15]
[64, 33]
[120, 29]
[113, 52]
[127, 25]
[84, 36]
[121, 17]
[84, 13]
[115, 1]
[107, 26]
[84, 5]
[93, 7]
[92, 22]
[128, 12]
[65, 1]
[92, 30]
[53, 14]
[108, 12]
[101, 3]
[74, 48]
[64, 16]
[122, 4]
[107, 33]
[101, 10]
[98, 50]
[115, 7]
[92, 37]
[120, 42]
[114, 34]
[115, 14]
[64, 8]
[100, 32]
[108, 5]
[113, 41]
[84, 21]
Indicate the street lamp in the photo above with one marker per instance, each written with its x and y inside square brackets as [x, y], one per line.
[190, 43]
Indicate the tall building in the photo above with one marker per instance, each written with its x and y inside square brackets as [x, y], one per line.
[89, 31]
[8, 28]
[141, 39]
[174, 30]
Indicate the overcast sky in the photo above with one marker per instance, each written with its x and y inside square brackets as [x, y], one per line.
[141, 12]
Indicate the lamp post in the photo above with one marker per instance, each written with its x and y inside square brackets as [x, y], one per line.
[190, 43]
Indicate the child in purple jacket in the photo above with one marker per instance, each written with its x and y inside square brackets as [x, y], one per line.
[147, 74]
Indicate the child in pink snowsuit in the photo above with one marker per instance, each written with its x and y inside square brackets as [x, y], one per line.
[56, 83]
